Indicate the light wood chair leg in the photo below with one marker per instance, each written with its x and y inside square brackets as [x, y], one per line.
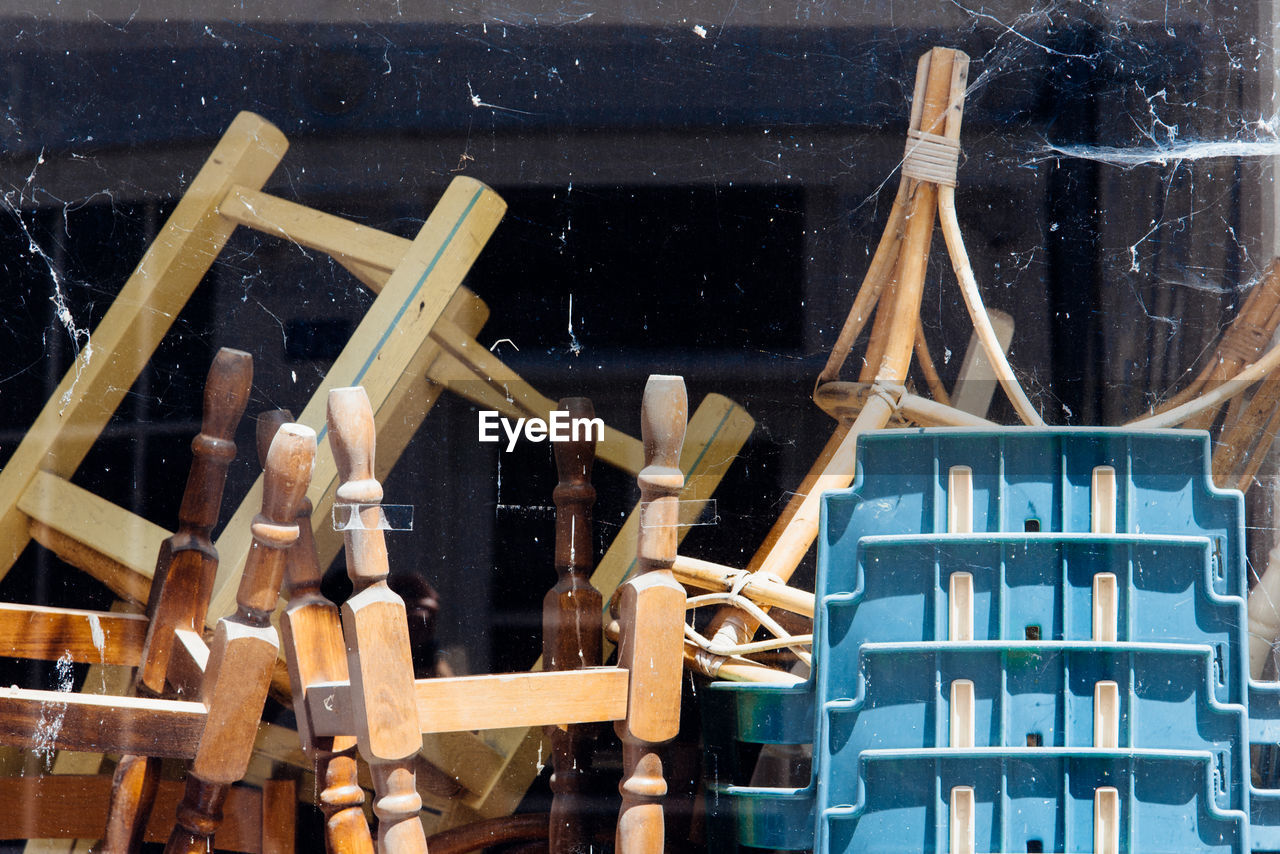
[311, 631]
[651, 613]
[376, 628]
[314, 649]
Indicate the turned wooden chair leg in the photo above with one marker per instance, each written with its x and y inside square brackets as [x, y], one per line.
[244, 648]
[380, 659]
[311, 630]
[572, 635]
[183, 581]
[651, 614]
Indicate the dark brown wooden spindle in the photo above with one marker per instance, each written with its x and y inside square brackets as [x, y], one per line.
[188, 562]
[183, 582]
[572, 631]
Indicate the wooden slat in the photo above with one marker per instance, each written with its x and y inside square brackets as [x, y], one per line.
[279, 816]
[115, 546]
[98, 680]
[138, 319]
[92, 637]
[52, 720]
[343, 239]
[387, 355]
[189, 662]
[463, 703]
[66, 806]
[469, 760]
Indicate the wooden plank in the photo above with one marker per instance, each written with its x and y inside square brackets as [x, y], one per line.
[461, 703]
[465, 757]
[70, 806]
[93, 637]
[139, 317]
[470, 370]
[119, 579]
[345, 240]
[387, 354]
[189, 662]
[716, 433]
[100, 680]
[52, 720]
[115, 546]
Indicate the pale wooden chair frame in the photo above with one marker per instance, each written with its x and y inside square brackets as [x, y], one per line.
[422, 323]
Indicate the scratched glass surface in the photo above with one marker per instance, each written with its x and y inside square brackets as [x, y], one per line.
[692, 188]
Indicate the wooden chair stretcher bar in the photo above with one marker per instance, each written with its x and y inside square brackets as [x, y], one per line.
[70, 806]
[461, 703]
[375, 254]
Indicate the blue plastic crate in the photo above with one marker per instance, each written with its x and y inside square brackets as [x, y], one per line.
[1032, 474]
[1025, 796]
[1170, 589]
[882, 675]
[1042, 690]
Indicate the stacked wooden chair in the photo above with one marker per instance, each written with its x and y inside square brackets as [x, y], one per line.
[421, 324]
[228, 679]
[372, 698]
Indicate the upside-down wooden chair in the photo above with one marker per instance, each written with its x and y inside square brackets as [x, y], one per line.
[422, 323]
[184, 574]
[239, 661]
[387, 711]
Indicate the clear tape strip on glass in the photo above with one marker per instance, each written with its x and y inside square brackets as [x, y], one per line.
[707, 515]
[389, 517]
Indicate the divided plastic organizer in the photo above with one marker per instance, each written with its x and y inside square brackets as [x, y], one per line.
[885, 666]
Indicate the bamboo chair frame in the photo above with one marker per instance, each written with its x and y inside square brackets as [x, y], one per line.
[892, 290]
